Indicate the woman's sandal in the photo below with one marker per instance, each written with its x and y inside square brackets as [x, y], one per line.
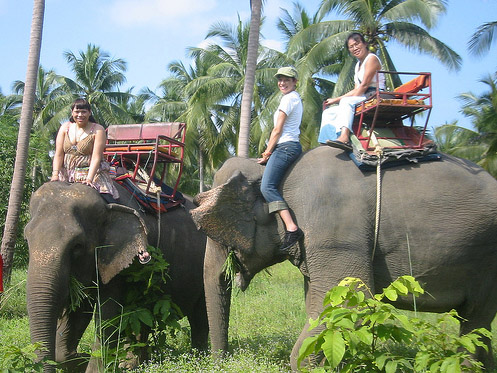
[144, 257]
[340, 145]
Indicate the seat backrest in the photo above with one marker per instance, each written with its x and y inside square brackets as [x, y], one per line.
[124, 132]
[414, 85]
[147, 131]
[172, 130]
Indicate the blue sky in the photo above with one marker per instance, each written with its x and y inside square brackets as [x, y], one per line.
[149, 34]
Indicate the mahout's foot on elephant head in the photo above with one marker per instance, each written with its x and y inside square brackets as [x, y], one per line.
[290, 239]
[346, 146]
[144, 256]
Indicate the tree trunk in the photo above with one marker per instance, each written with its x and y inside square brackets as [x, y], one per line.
[248, 86]
[201, 170]
[16, 189]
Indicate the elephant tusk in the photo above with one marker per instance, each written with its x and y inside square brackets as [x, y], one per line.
[129, 210]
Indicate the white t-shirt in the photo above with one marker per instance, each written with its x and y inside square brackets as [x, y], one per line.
[291, 105]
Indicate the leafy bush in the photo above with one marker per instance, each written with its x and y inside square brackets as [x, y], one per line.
[362, 333]
[146, 310]
[21, 359]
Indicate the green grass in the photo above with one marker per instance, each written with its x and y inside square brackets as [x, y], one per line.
[265, 321]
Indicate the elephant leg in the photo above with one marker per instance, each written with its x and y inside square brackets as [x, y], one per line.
[70, 329]
[321, 280]
[479, 317]
[199, 325]
[111, 297]
[312, 360]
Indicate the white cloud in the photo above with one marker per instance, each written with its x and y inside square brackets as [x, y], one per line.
[156, 12]
[273, 44]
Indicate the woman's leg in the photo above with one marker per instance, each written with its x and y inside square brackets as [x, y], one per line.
[287, 219]
[328, 131]
[345, 116]
[283, 156]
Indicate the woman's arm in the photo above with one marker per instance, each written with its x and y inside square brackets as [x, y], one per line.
[275, 136]
[370, 68]
[58, 159]
[97, 154]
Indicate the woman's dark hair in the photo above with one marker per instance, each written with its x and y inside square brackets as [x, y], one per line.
[81, 104]
[356, 36]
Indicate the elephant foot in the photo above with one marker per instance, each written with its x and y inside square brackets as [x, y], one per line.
[76, 363]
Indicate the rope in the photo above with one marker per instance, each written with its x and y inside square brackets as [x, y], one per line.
[158, 218]
[379, 152]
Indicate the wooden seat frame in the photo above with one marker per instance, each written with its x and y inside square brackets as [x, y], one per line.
[388, 109]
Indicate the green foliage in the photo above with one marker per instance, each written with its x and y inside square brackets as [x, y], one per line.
[360, 332]
[13, 299]
[8, 146]
[21, 359]
[77, 294]
[231, 267]
[147, 307]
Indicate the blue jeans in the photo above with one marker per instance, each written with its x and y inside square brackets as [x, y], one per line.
[283, 156]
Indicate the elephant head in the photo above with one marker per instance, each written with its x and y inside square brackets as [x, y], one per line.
[73, 233]
[235, 218]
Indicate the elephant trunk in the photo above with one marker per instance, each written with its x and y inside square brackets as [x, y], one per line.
[45, 291]
[217, 295]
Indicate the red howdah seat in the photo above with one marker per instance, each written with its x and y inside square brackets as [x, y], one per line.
[379, 119]
[145, 146]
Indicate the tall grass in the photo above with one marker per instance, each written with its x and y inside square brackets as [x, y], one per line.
[265, 322]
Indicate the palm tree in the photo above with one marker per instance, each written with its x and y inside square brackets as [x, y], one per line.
[381, 21]
[50, 108]
[224, 84]
[131, 108]
[248, 87]
[482, 39]
[10, 108]
[483, 112]
[16, 190]
[49, 103]
[459, 141]
[313, 64]
[479, 145]
[97, 78]
[187, 99]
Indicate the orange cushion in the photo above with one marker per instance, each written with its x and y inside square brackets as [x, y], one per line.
[413, 85]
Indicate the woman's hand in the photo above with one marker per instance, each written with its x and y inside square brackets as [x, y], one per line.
[331, 101]
[264, 158]
[89, 183]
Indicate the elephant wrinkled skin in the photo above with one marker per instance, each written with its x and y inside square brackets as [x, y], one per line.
[72, 231]
[442, 215]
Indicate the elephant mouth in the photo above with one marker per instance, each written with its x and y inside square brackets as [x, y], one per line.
[243, 277]
[242, 281]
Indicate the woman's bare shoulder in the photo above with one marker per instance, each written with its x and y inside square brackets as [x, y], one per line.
[98, 127]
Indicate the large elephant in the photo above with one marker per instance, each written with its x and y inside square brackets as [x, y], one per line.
[73, 231]
[438, 222]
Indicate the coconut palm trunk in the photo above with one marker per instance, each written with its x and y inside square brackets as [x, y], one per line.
[248, 86]
[17, 186]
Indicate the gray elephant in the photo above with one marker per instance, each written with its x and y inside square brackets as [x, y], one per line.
[443, 215]
[72, 231]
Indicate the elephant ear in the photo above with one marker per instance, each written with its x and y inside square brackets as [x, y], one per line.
[125, 234]
[226, 213]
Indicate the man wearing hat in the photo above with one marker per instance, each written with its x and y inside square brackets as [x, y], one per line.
[282, 150]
